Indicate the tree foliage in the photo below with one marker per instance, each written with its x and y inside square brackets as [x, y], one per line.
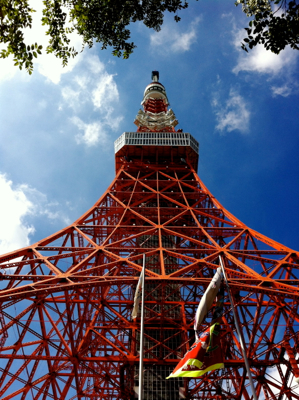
[275, 24]
[104, 21]
[107, 22]
[16, 16]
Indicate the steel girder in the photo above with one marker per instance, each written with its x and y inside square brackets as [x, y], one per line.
[66, 330]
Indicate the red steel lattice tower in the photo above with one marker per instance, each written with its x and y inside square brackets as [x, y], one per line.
[68, 298]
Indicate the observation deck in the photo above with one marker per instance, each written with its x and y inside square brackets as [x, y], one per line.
[156, 140]
[156, 147]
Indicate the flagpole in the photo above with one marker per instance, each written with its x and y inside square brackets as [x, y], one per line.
[140, 391]
[239, 333]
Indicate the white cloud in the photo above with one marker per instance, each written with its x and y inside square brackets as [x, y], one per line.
[93, 85]
[93, 88]
[70, 96]
[18, 203]
[234, 115]
[51, 67]
[93, 133]
[15, 205]
[261, 60]
[105, 92]
[277, 67]
[95, 65]
[8, 70]
[283, 91]
[170, 39]
[41, 207]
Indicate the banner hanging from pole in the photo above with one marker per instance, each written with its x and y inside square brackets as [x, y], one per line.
[137, 296]
[205, 355]
[241, 340]
[207, 300]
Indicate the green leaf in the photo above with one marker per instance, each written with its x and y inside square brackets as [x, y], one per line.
[108, 22]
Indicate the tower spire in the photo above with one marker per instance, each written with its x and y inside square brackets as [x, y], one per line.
[155, 116]
[155, 76]
[156, 139]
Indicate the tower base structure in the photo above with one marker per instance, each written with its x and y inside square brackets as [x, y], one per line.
[66, 330]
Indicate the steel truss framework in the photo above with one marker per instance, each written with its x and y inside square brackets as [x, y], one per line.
[66, 330]
[66, 301]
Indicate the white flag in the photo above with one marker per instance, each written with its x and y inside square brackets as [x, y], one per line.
[207, 299]
[138, 292]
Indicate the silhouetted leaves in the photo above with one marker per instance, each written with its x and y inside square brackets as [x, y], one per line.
[107, 22]
[103, 21]
[275, 24]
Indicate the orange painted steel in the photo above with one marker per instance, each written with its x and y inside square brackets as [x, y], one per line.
[66, 330]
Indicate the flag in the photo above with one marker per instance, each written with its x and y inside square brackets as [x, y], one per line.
[218, 311]
[205, 355]
[207, 300]
[137, 295]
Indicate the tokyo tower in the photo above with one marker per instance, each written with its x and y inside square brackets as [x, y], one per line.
[66, 330]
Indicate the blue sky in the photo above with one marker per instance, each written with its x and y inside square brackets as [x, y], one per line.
[58, 125]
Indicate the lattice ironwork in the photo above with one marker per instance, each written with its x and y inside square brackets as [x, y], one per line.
[66, 330]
